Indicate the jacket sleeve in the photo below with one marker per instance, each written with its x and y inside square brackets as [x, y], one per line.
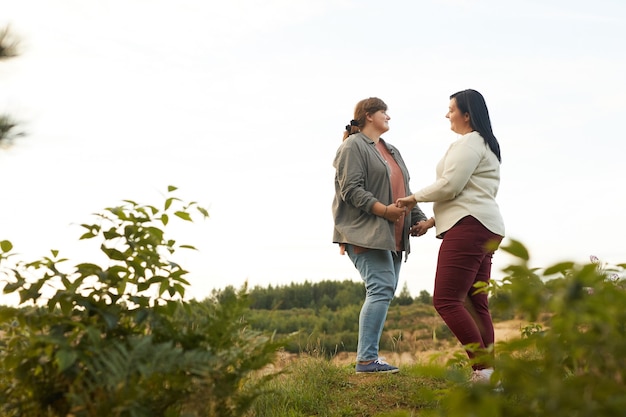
[417, 215]
[351, 170]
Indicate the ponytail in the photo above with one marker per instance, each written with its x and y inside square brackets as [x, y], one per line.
[352, 128]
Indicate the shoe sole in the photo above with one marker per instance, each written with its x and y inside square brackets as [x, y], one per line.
[392, 371]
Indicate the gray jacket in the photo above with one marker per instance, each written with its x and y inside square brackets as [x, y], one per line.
[362, 178]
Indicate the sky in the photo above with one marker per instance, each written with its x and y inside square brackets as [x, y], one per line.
[242, 105]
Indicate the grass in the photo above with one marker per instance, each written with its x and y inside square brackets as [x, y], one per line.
[314, 386]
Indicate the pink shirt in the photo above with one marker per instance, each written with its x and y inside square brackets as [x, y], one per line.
[397, 187]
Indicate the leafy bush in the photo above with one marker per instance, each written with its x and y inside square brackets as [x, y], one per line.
[119, 340]
[575, 364]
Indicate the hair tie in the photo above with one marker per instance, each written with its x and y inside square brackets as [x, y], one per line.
[354, 123]
[349, 128]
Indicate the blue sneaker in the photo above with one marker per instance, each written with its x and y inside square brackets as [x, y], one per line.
[378, 366]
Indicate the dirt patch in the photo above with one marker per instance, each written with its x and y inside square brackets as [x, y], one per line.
[508, 330]
[434, 354]
[504, 331]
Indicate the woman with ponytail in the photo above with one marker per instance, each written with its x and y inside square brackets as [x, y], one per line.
[370, 176]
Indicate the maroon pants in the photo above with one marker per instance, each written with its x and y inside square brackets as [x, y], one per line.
[464, 260]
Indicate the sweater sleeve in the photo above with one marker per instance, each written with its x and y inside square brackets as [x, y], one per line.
[453, 173]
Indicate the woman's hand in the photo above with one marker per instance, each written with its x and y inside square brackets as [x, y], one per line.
[420, 228]
[393, 213]
[409, 202]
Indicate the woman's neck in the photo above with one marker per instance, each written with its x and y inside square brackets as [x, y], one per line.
[373, 134]
[465, 131]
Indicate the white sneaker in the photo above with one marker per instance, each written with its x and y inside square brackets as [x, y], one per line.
[481, 376]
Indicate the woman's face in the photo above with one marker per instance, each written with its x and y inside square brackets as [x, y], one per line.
[459, 122]
[380, 121]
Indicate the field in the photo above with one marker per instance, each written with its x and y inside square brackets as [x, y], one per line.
[429, 352]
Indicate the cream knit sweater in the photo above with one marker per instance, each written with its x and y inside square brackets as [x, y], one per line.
[468, 177]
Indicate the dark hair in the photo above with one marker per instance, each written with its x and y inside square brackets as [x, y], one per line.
[472, 102]
[361, 110]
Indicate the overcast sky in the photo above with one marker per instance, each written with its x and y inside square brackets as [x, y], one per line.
[242, 104]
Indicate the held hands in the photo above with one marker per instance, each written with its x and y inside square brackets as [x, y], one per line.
[393, 213]
[420, 228]
[409, 202]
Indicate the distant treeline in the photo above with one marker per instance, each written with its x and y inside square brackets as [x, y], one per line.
[324, 316]
[327, 294]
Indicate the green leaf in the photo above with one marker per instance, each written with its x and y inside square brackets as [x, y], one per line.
[32, 292]
[121, 287]
[114, 254]
[179, 289]
[183, 215]
[203, 211]
[181, 280]
[155, 232]
[87, 235]
[65, 358]
[171, 307]
[6, 246]
[111, 234]
[13, 286]
[92, 231]
[88, 269]
[163, 287]
[25, 295]
[66, 305]
[562, 268]
[517, 249]
[481, 287]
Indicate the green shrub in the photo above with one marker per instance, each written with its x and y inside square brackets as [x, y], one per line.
[575, 363]
[118, 340]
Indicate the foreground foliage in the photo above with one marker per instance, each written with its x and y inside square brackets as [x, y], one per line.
[572, 363]
[569, 360]
[8, 125]
[119, 340]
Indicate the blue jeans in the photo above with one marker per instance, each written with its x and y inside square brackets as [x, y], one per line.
[379, 270]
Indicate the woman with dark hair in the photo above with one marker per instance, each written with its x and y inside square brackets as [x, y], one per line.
[370, 176]
[468, 220]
